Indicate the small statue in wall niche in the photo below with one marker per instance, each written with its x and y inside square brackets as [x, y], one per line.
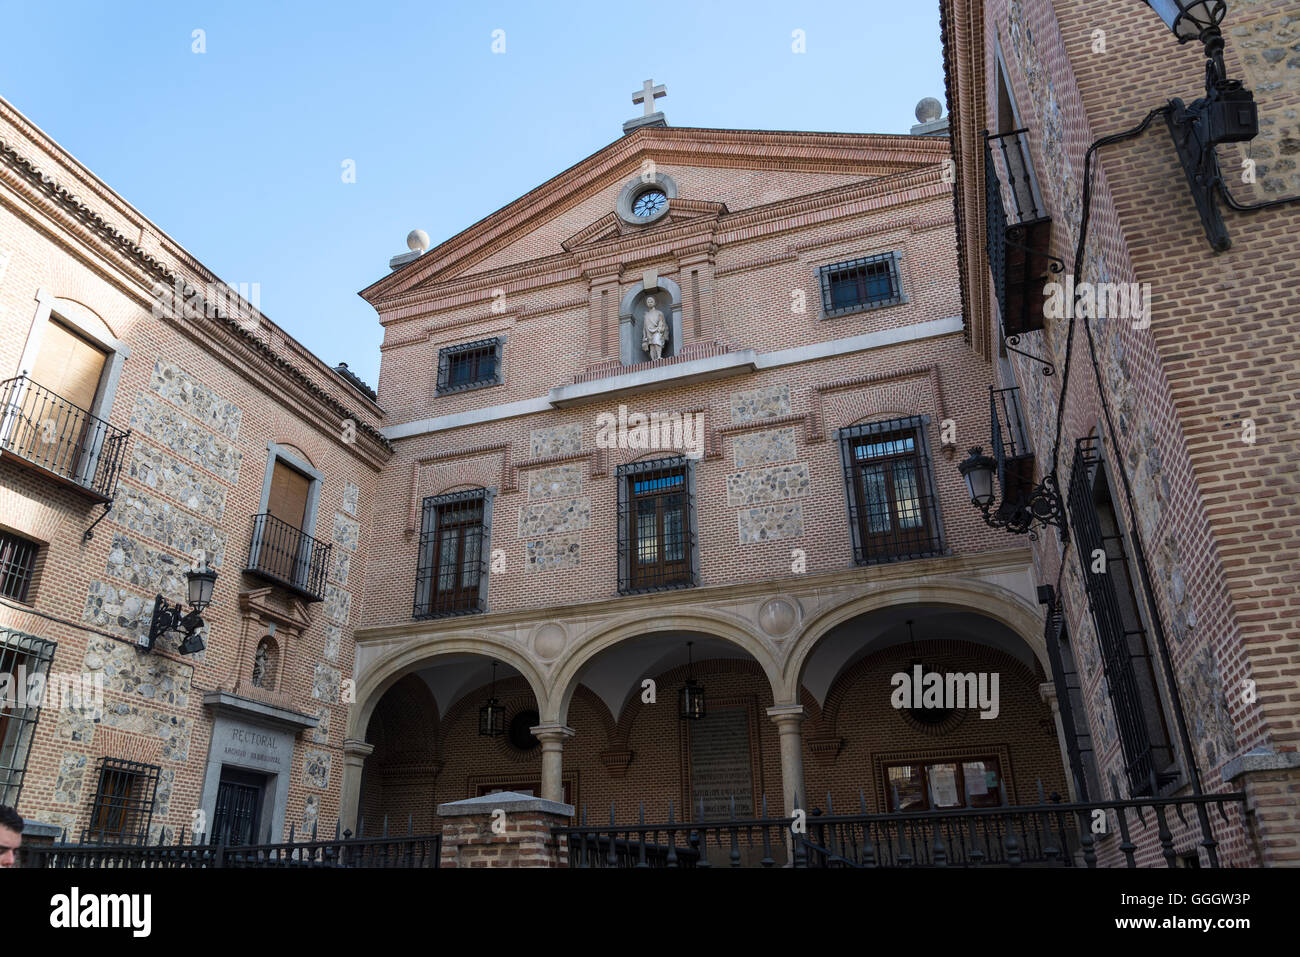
[261, 666]
[654, 333]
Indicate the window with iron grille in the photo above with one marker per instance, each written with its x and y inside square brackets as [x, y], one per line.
[451, 576]
[21, 656]
[1117, 612]
[893, 507]
[1069, 699]
[656, 525]
[17, 563]
[470, 365]
[123, 805]
[860, 284]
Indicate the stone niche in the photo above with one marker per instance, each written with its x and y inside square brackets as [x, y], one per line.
[631, 320]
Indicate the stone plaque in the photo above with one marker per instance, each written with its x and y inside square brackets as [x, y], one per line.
[249, 746]
[721, 764]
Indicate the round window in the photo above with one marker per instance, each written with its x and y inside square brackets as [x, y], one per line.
[520, 738]
[649, 203]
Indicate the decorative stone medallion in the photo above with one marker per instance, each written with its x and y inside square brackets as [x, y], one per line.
[549, 640]
[778, 616]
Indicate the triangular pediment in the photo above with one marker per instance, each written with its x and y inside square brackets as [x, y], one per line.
[720, 171]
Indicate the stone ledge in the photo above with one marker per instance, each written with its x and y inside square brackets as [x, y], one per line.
[654, 378]
[225, 702]
[511, 802]
[1260, 759]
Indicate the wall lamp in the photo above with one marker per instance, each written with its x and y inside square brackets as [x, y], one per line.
[1226, 114]
[1024, 507]
[171, 616]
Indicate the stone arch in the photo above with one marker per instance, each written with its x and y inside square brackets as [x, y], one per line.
[420, 735]
[83, 318]
[564, 679]
[629, 323]
[993, 601]
[380, 675]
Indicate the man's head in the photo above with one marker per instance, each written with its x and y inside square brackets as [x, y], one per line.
[11, 835]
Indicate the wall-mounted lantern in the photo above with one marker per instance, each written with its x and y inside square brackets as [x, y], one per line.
[171, 616]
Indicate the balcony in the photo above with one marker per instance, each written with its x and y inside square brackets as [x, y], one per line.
[288, 557]
[1019, 233]
[1011, 449]
[42, 430]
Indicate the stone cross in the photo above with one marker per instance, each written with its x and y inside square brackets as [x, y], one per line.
[648, 94]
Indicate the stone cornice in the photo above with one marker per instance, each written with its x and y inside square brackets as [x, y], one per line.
[221, 333]
[796, 586]
[755, 149]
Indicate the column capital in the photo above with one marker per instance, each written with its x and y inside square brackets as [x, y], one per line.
[355, 747]
[552, 733]
[786, 713]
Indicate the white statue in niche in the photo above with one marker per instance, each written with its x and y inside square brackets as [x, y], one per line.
[654, 333]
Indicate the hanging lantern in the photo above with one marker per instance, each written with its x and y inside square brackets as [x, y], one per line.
[492, 716]
[691, 698]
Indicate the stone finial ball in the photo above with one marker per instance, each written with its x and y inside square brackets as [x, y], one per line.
[928, 110]
[417, 239]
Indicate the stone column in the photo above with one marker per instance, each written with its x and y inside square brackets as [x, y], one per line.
[504, 830]
[552, 737]
[1047, 691]
[788, 718]
[355, 753]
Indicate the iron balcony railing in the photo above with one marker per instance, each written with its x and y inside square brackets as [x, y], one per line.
[288, 556]
[1011, 450]
[1019, 233]
[344, 850]
[47, 431]
[1143, 832]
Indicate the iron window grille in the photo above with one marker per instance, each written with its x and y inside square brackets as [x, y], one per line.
[656, 525]
[17, 564]
[452, 572]
[860, 284]
[123, 807]
[1116, 612]
[893, 507]
[470, 365]
[1069, 698]
[21, 656]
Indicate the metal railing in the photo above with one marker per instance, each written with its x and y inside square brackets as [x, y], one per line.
[289, 556]
[1149, 832]
[1018, 234]
[344, 850]
[51, 433]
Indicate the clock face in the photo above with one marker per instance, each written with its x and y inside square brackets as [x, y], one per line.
[649, 203]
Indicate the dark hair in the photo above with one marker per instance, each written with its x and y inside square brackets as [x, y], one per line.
[10, 818]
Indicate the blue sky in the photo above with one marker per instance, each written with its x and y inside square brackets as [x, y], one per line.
[238, 152]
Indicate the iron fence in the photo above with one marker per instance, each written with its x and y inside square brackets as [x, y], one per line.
[1047, 834]
[343, 850]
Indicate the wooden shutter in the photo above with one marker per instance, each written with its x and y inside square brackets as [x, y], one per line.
[69, 366]
[288, 499]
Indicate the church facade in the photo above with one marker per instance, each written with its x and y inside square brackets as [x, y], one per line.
[662, 509]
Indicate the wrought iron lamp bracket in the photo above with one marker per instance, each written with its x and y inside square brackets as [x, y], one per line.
[1042, 506]
[1012, 341]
